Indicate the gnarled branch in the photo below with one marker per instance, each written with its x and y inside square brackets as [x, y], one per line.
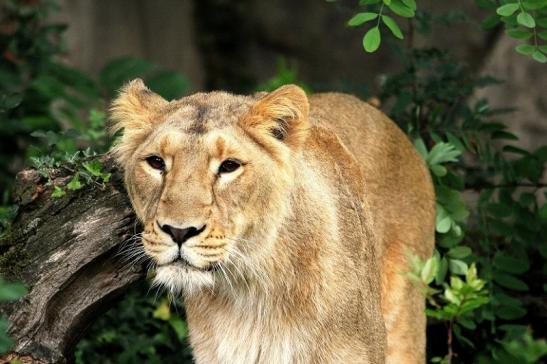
[66, 252]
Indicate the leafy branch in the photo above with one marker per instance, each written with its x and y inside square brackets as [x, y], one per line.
[524, 20]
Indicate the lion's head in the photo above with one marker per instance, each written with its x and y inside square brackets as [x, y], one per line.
[208, 175]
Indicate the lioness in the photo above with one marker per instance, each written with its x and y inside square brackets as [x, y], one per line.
[284, 221]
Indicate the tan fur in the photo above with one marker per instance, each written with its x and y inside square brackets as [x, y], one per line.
[308, 237]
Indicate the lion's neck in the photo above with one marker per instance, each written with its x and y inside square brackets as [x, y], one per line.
[286, 291]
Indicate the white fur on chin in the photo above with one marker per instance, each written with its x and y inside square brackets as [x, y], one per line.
[178, 279]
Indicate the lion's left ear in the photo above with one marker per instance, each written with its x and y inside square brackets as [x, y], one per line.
[281, 114]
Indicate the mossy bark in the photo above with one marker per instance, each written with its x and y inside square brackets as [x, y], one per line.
[65, 250]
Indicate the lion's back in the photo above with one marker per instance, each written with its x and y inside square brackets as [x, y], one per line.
[398, 187]
[401, 204]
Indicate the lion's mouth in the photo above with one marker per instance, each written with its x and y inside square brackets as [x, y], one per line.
[184, 263]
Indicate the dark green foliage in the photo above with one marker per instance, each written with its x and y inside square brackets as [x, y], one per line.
[143, 328]
[503, 232]
[286, 74]
[47, 107]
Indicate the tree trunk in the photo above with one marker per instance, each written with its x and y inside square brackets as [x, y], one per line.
[65, 250]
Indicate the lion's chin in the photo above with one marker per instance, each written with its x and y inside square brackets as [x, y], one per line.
[181, 279]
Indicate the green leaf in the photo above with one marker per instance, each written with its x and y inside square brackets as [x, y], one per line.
[75, 183]
[510, 281]
[58, 192]
[430, 269]
[507, 312]
[399, 8]
[511, 329]
[500, 134]
[510, 264]
[410, 3]
[51, 137]
[456, 283]
[542, 22]
[392, 25]
[93, 167]
[179, 326]
[451, 296]
[443, 225]
[499, 210]
[438, 170]
[97, 118]
[527, 20]
[457, 266]
[490, 22]
[451, 201]
[106, 177]
[162, 312]
[443, 153]
[534, 4]
[471, 275]
[387, 2]
[441, 272]
[516, 150]
[455, 141]
[361, 18]
[501, 228]
[529, 167]
[372, 40]
[10, 101]
[508, 9]
[540, 57]
[519, 33]
[543, 35]
[459, 252]
[421, 148]
[467, 323]
[501, 298]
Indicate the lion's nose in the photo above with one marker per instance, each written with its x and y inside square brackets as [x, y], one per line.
[179, 236]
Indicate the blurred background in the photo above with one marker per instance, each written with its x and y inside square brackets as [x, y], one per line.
[454, 82]
[236, 45]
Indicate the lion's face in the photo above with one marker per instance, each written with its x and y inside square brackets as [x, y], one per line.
[209, 176]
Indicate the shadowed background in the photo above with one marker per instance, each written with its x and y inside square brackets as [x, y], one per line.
[234, 45]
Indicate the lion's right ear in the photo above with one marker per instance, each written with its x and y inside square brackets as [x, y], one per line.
[136, 111]
[281, 114]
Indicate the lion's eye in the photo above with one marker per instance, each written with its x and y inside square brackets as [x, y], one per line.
[228, 166]
[156, 162]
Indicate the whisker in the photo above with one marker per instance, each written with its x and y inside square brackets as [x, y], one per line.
[238, 269]
[226, 276]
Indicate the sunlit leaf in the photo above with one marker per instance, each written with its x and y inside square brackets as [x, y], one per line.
[372, 39]
[507, 9]
[392, 25]
[361, 18]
